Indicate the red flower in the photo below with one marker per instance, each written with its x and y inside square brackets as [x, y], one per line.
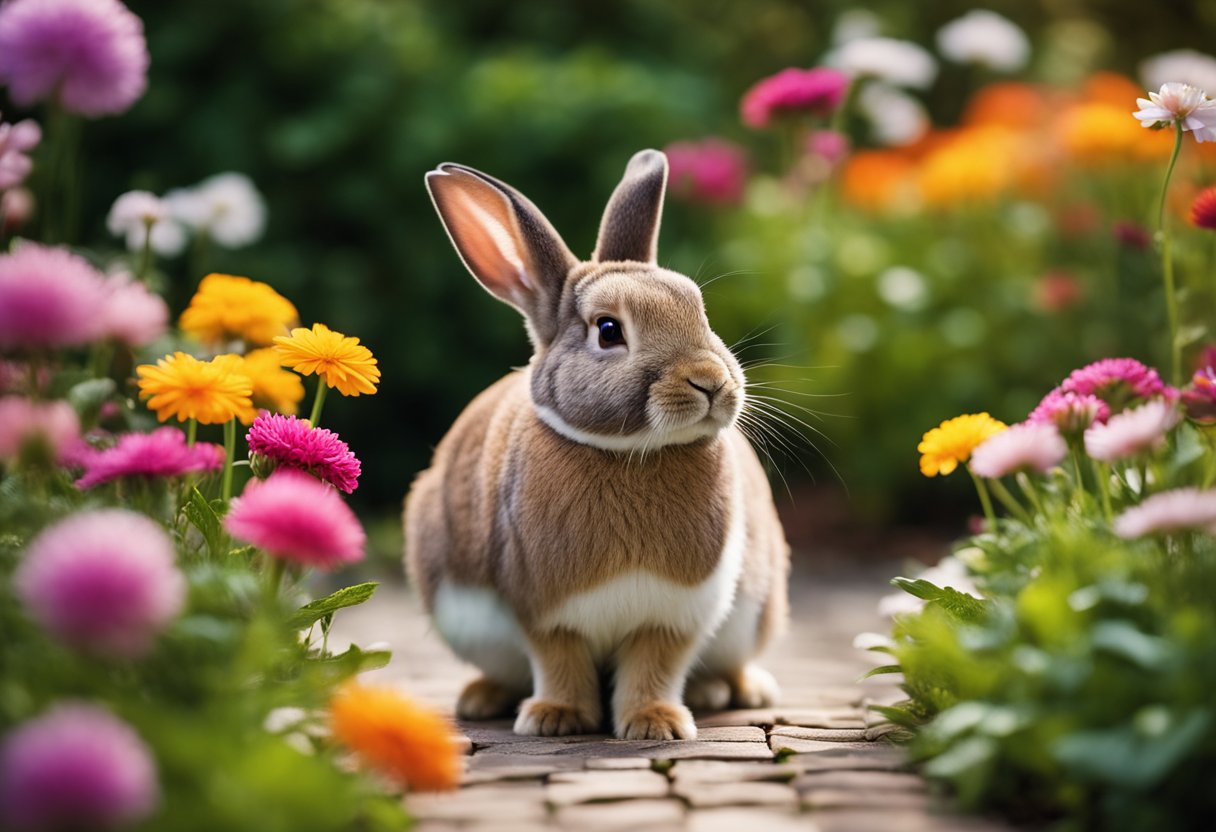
[1203, 209]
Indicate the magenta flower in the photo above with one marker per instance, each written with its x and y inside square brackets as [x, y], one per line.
[1135, 431]
[294, 443]
[828, 145]
[292, 516]
[89, 55]
[16, 142]
[50, 428]
[49, 298]
[1030, 446]
[816, 91]
[1199, 398]
[77, 766]
[713, 170]
[1117, 381]
[132, 315]
[1071, 413]
[1170, 511]
[102, 581]
[161, 453]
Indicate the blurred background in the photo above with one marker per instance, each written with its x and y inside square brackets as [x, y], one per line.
[885, 289]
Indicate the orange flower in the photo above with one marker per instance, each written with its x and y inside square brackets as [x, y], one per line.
[227, 308]
[1008, 104]
[342, 361]
[878, 180]
[274, 388]
[980, 163]
[213, 392]
[413, 745]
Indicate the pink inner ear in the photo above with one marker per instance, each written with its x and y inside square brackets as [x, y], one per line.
[484, 232]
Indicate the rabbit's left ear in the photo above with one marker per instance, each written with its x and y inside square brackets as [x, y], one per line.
[630, 227]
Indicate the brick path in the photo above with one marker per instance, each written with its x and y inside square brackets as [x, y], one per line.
[817, 762]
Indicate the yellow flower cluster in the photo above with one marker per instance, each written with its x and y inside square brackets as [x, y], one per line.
[274, 388]
[950, 444]
[228, 308]
[211, 392]
[340, 360]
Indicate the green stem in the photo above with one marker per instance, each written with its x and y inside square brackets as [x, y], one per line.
[322, 389]
[277, 567]
[1102, 475]
[229, 454]
[191, 432]
[1027, 488]
[1167, 262]
[985, 500]
[1010, 502]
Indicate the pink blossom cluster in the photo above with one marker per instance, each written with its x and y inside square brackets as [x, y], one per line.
[1182, 509]
[161, 453]
[712, 171]
[818, 91]
[16, 142]
[1070, 412]
[294, 443]
[1030, 446]
[52, 428]
[1116, 381]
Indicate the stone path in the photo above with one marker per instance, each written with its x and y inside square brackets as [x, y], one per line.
[820, 761]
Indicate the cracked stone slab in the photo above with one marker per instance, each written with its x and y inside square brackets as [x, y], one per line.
[821, 734]
[821, 799]
[801, 745]
[703, 795]
[521, 802]
[844, 757]
[721, 771]
[619, 763]
[626, 816]
[597, 786]
[516, 767]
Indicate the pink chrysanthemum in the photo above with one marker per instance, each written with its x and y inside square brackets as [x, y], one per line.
[49, 298]
[77, 766]
[102, 581]
[294, 443]
[292, 516]
[161, 453]
[1117, 381]
[1071, 413]
[713, 170]
[1203, 209]
[89, 55]
[132, 315]
[1030, 446]
[51, 428]
[16, 142]
[816, 91]
[1199, 398]
[1170, 511]
[1138, 430]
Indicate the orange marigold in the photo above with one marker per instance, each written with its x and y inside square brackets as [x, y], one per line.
[229, 308]
[212, 392]
[339, 359]
[947, 446]
[393, 735]
[274, 388]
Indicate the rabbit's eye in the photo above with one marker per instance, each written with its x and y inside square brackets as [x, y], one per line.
[611, 332]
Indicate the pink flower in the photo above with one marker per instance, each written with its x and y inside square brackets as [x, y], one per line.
[713, 170]
[1135, 431]
[16, 207]
[77, 766]
[1180, 104]
[295, 443]
[1057, 290]
[1116, 381]
[828, 145]
[47, 428]
[102, 581]
[131, 314]
[1131, 234]
[292, 516]
[89, 55]
[1199, 399]
[161, 453]
[1169, 511]
[16, 141]
[1071, 413]
[816, 91]
[49, 298]
[1030, 446]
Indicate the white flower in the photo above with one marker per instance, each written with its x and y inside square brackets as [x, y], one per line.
[1185, 65]
[227, 207]
[898, 62]
[1033, 446]
[1169, 511]
[896, 118]
[135, 214]
[1132, 432]
[1182, 104]
[984, 37]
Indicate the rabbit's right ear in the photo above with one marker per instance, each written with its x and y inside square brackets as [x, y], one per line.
[505, 241]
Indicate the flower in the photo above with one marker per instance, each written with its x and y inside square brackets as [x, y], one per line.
[1130, 433]
[1185, 65]
[273, 387]
[816, 91]
[897, 62]
[1030, 446]
[88, 55]
[829, 145]
[1116, 381]
[143, 218]
[103, 581]
[879, 181]
[1203, 209]
[1095, 134]
[49, 298]
[1070, 412]
[16, 206]
[1199, 398]
[1131, 234]
[342, 361]
[292, 516]
[46, 429]
[895, 117]
[226, 207]
[227, 307]
[296, 444]
[960, 170]
[986, 38]
[1057, 290]
[213, 392]
[1169, 511]
[161, 453]
[1179, 104]
[411, 744]
[131, 314]
[713, 171]
[16, 141]
[944, 447]
[77, 766]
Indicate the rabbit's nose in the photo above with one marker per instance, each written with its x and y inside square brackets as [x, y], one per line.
[707, 385]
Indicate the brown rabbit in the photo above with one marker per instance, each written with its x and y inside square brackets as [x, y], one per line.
[598, 510]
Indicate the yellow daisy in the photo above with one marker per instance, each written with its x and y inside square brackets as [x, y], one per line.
[227, 308]
[274, 388]
[945, 447]
[340, 360]
[213, 392]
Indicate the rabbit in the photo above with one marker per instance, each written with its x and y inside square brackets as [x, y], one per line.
[597, 514]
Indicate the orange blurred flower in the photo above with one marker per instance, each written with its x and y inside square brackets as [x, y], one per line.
[1113, 89]
[1098, 135]
[1008, 104]
[879, 180]
[976, 164]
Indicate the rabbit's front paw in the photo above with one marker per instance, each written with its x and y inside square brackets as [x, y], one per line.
[707, 693]
[657, 721]
[755, 687]
[538, 718]
[486, 699]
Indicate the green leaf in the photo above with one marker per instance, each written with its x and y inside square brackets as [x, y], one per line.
[959, 605]
[1125, 757]
[355, 660]
[1124, 639]
[313, 611]
[900, 716]
[919, 588]
[203, 516]
[882, 669]
[87, 397]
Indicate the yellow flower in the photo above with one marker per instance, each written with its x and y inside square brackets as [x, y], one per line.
[274, 388]
[227, 308]
[342, 361]
[213, 392]
[411, 744]
[944, 447]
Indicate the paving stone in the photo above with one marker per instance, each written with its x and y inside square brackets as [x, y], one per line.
[905, 820]
[869, 757]
[515, 767]
[730, 733]
[702, 795]
[752, 818]
[803, 745]
[521, 802]
[619, 763]
[658, 815]
[655, 750]
[820, 799]
[820, 734]
[720, 771]
[864, 781]
[595, 786]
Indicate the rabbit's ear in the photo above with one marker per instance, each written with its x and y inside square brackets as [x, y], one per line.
[505, 241]
[630, 227]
